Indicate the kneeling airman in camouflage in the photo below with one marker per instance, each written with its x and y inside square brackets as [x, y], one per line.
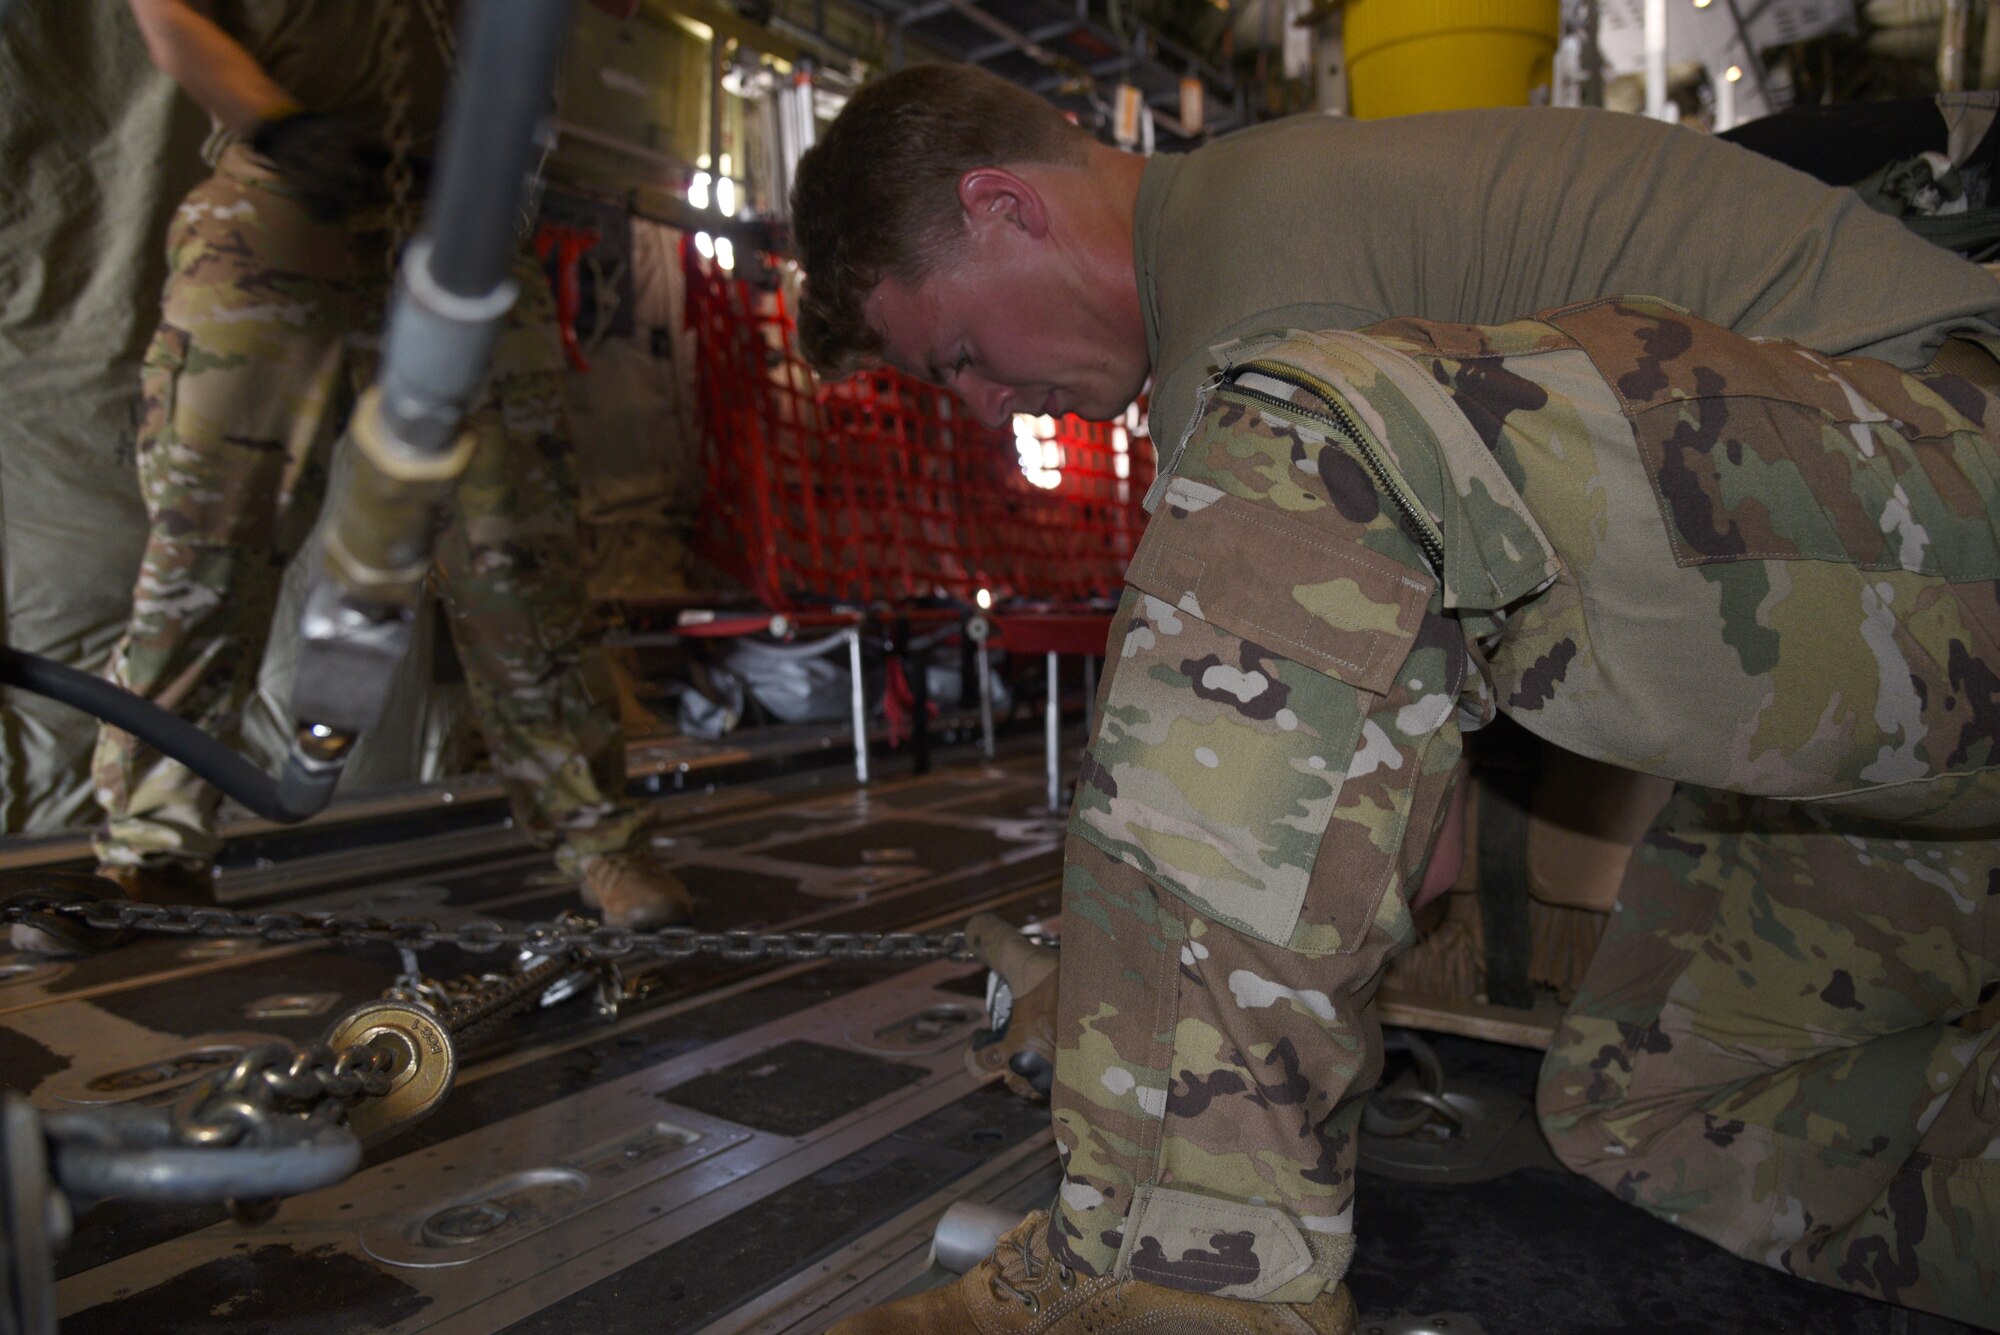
[1769, 575]
[1754, 552]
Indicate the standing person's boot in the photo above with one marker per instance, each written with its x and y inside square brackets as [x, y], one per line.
[161, 880]
[58, 936]
[631, 889]
[1022, 1290]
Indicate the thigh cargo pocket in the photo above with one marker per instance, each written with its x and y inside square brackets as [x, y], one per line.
[1761, 450]
[1251, 648]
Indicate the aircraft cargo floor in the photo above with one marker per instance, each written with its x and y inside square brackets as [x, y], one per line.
[758, 1146]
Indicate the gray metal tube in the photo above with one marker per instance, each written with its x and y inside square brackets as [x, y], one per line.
[452, 297]
[859, 698]
[436, 353]
[717, 66]
[985, 702]
[509, 55]
[455, 289]
[1656, 59]
[1052, 725]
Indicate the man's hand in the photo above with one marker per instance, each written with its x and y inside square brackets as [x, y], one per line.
[327, 159]
[210, 66]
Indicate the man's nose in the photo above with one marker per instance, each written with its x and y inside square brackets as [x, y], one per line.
[992, 404]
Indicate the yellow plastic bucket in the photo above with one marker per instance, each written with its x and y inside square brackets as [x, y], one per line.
[1406, 56]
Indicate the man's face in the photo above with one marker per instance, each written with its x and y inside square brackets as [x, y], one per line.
[1005, 330]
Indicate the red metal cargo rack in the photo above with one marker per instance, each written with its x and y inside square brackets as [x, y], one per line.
[841, 505]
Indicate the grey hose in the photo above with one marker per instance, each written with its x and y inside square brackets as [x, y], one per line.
[292, 796]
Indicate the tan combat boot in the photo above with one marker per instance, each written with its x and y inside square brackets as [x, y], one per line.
[632, 890]
[1022, 1290]
[164, 881]
[56, 936]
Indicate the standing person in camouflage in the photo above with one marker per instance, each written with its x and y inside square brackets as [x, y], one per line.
[1761, 566]
[279, 267]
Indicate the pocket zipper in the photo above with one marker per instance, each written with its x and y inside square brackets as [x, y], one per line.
[1349, 433]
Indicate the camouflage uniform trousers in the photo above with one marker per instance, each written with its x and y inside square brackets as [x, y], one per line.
[266, 336]
[1765, 574]
[1773, 1048]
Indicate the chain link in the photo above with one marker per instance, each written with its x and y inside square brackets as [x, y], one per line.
[442, 34]
[392, 38]
[481, 935]
[311, 1081]
[476, 1013]
[276, 1079]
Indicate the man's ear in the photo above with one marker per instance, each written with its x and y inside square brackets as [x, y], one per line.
[991, 195]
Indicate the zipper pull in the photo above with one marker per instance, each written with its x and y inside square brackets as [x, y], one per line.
[1168, 463]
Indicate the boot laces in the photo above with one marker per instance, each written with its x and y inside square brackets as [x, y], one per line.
[1015, 1258]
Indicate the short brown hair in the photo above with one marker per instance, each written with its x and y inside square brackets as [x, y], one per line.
[878, 196]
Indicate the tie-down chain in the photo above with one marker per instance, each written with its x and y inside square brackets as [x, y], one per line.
[548, 939]
[386, 1063]
[286, 1118]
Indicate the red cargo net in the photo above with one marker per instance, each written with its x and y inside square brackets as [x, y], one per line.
[881, 488]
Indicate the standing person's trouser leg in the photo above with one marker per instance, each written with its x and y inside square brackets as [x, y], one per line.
[241, 384]
[520, 615]
[1780, 1046]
